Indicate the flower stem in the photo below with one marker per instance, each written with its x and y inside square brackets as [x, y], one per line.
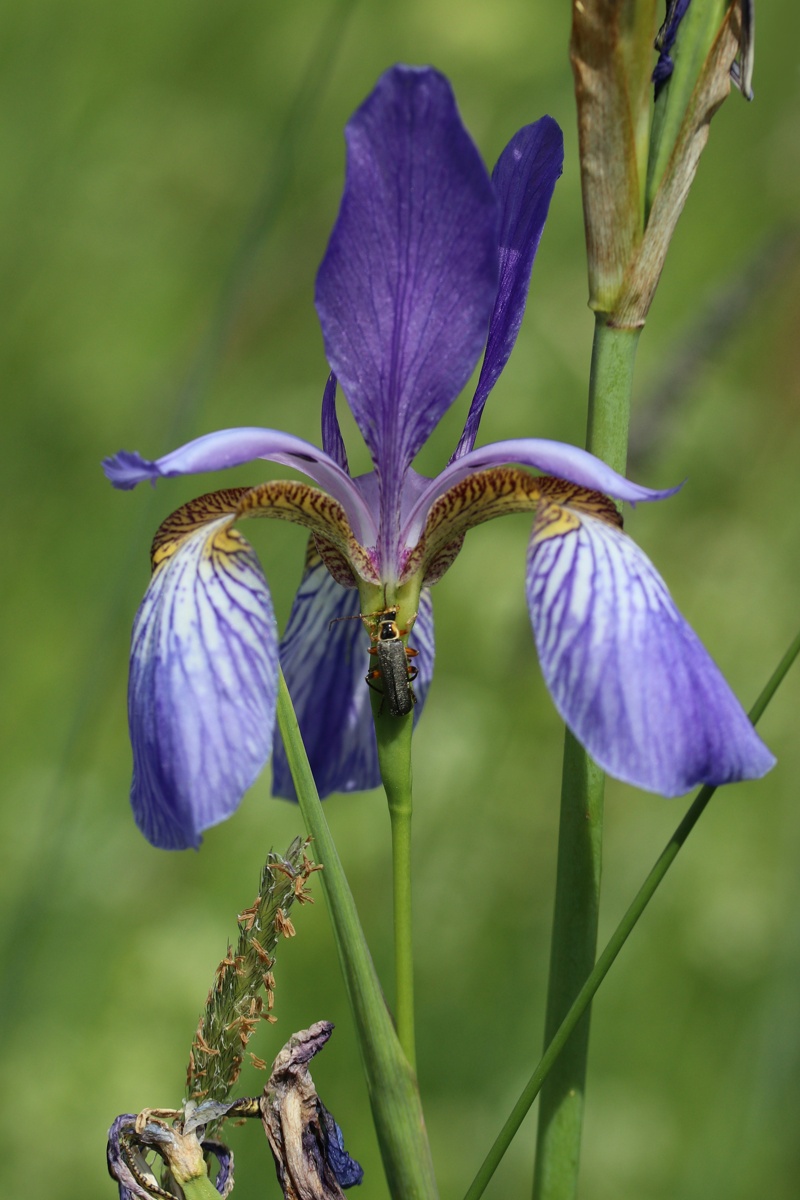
[610, 388]
[578, 1008]
[391, 1082]
[577, 900]
[200, 1188]
[394, 755]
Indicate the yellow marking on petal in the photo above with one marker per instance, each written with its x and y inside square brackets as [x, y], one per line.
[497, 492]
[192, 516]
[224, 543]
[553, 521]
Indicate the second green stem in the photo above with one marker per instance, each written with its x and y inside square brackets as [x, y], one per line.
[577, 901]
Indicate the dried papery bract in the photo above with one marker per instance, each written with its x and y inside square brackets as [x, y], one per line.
[630, 211]
[610, 53]
[306, 1142]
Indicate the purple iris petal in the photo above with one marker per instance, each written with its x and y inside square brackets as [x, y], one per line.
[325, 667]
[552, 458]
[233, 447]
[627, 673]
[118, 1169]
[524, 180]
[406, 288]
[332, 440]
[349, 1173]
[224, 1156]
[201, 697]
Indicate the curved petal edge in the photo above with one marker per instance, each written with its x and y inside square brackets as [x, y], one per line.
[325, 666]
[405, 290]
[627, 673]
[202, 689]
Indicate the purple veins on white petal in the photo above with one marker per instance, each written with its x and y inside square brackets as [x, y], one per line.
[324, 666]
[627, 673]
[202, 690]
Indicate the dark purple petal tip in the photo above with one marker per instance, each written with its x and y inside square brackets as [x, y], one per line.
[676, 11]
[127, 468]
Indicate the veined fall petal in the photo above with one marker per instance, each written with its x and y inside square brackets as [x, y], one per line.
[203, 685]
[325, 658]
[626, 672]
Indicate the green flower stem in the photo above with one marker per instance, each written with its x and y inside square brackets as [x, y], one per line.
[610, 388]
[580, 838]
[394, 756]
[199, 1188]
[391, 1082]
[580, 1005]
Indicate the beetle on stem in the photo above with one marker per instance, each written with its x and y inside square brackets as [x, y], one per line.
[393, 668]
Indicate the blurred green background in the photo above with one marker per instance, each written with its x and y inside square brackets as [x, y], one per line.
[146, 148]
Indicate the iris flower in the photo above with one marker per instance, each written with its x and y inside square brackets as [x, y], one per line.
[428, 264]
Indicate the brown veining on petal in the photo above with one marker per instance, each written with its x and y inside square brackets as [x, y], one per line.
[553, 521]
[436, 567]
[190, 517]
[336, 562]
[308, 506]
[580, 499]
[281, 500]
[497, 492]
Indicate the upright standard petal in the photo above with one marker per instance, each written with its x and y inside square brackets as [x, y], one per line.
[326, 666]
[332, 440]
[406, 287]
[203, 682]
[524, 180]
[626, 672]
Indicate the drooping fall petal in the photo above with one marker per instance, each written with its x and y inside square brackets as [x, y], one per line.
[202, 690]
[626, 672]
[326, 666]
